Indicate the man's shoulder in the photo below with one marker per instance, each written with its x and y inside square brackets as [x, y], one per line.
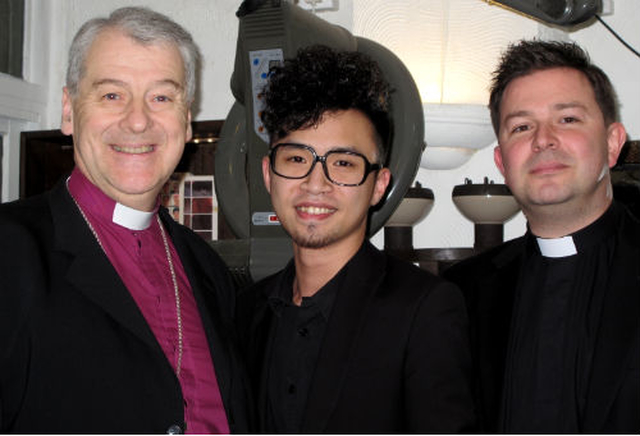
[488, 261]
[407, 285]
[25, 216]
[266, 283]
[405, 272]
[260, 290]
[24, 208]
[631, 227]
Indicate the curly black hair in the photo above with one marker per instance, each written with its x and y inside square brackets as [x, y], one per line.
[528, 56]
[320, 79]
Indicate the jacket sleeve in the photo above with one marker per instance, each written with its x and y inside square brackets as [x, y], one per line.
[22, 278]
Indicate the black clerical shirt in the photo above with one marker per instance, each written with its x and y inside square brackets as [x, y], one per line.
[299, 331]
[555, 319]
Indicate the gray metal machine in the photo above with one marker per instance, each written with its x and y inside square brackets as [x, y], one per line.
[270, 31]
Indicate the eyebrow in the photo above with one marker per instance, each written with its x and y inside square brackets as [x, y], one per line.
[570, 105]
[124, 84]
[557, 107]
[512, 115]
[336, 148]
[345, 148]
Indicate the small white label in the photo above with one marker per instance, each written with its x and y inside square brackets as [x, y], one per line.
[261, 61]
[318, 5]
[265, 219]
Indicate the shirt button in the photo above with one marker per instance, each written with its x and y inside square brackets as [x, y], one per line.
[292, 389]
[303, 331]
[174, 429]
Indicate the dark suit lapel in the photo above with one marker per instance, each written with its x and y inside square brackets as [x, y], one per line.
[619, 326]
[90, 271]
[204, 283]
[347, 315]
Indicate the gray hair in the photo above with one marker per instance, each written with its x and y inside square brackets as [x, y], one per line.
[146, 27]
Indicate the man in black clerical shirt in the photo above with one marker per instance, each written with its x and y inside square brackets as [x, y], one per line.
[555, 314]
[346, 339]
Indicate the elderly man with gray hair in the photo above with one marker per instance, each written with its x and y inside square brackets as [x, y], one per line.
[116, 319]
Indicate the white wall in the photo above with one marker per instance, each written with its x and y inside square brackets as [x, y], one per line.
[52, 24]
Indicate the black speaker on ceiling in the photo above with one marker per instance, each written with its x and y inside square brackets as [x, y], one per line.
[560, 12]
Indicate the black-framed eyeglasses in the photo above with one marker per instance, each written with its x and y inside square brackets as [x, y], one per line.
[341, 167]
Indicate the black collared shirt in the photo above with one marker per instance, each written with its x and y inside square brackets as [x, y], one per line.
[299, 331]
[553, 331]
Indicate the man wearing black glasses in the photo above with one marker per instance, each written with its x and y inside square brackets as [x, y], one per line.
[346, 339]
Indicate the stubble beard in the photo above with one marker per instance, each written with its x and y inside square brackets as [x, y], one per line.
[310, 239]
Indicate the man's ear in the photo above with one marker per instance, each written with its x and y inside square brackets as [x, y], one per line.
[616, 137]
[383, 177]
[265, 173]
[189, 133]
[66, 124]
[497, 158]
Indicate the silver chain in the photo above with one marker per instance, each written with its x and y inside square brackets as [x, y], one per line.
[176, 293]
[173, 279]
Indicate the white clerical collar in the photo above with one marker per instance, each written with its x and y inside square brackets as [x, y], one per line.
[557, 247]
[130, 218]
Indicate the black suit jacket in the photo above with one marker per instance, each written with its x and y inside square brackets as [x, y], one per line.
[394, 358]
[488, 282]
[76, 354]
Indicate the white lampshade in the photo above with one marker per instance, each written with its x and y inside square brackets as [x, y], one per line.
[454, 132]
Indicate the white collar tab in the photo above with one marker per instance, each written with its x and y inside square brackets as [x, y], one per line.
[557, 247]
[132, 219]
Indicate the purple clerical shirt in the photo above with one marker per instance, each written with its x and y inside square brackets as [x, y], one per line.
[133, 243]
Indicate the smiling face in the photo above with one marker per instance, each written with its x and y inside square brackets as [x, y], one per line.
[314, 211]
[130, 119]
[554, 149]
